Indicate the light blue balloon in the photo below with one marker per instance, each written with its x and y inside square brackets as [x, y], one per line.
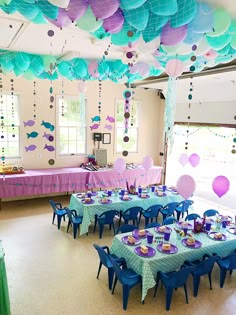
[203, 21]
[156, 21]
[138, 18]
[122, 38]
[149, 34]
[163, 7]
[131, 4]
[192, 37]
[80, 67]
[22, 61]
[48, 9]
[119, 67]
[220, 41]
[36, 64]
[186, 11]
[39, 19]
[224, 59]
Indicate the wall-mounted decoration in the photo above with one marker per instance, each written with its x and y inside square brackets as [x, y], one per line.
[110, 119]
[106, 138]
[94, 126]
[48, 136]
[47, 125]
[95, 118]
[2, 121]
[31, 147]
[50, 148]
[108, 127]
[29, 123]
[51, 162]
[33, 134]
[34, 104]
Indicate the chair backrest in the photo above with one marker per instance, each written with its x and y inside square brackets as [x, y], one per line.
[126, 228]
[151, 225]
[192, 216]
[104, 257]
[154, 210]
[179, 278]
[169, 220]
[185, 204]
[133, 212]
[119, 272]
[210, 213]
[53, 204]
[206, 265]
[108, 216]
[170, 208]
[70, 214]
[232, 261]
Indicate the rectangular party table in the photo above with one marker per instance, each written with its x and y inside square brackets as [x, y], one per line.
[4, 295]
[88, 211]
[148, 267]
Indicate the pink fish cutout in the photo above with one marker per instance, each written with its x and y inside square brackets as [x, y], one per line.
[94, 126]
[49, 148]
[110, 119]
[108, 127]
[29, 123]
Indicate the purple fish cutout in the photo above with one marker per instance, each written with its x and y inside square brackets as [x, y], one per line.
[108, 127]
[47, 135]
[31, 147]
[110, 119]
[94, 126]
[49, 148]
[29, 123]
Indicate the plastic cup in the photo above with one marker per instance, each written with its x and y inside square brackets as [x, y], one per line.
[208, 226]
[140, 190]
[122, 192]
[224, 224]
[185, 231]
[164, 188]
[153, 188]
[149, 238]
[167, 235]
[89, 194]
[109, 193]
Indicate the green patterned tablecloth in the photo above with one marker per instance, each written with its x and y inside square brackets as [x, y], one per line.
[4, 296]
[88, 211]
[148, 267]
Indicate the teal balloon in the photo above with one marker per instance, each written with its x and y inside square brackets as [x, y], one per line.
[131, 4]
[138, 18]
[119, 68]
[88, 21]
[163, 7]
[7, 66]
[103, 68]
[80, 67]
[224, 51]
[222, 22]
[155, 72]
[30, 12]
[101, 33]
[18, 71]
[66, 70]
[49, 63]
[203, 21]
[155, 22]
[122, 38]
[22, 61]
[149, 34]
[186, 11]
[219, 42]
[48, 9]
[29, 75]
[51, 77]
[39, 19]
[224, 59]
[36, 64]
[10, 8]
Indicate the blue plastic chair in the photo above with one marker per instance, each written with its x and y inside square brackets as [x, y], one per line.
[152, 225]
[226, 264]
[127, 277]
[105, 260]
[169, 220]
[126, 228]
[192, 216]
[58, 211]
[106, 217]
[131, 214]
[74, 220]
[174, 280]
[151, 213]
[183, 207]
[210, 213]
[169, 210]
[203, 267]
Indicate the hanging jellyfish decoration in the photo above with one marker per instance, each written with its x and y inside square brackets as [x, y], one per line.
[174, 69]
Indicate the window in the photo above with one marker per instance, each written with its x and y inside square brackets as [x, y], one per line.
[132, 144]
[72, 126]
[9, 133]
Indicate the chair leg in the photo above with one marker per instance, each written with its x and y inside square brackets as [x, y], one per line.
[113, 225]
[95, 223]
[156, 286]
[230, 272]
[110, 277]
[100, 230]
[186, 293]
[146, 221]
[114, 285]
[169, 292]
[59, 221]
[75, 229]
[126, 290]
[120, 218]
[178, 215]
[99, 269]
[68, 226]
[209, 277]
[196, 281]
[222, 277]
[64, 217]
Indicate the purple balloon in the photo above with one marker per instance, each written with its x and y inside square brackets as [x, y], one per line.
[147, 162]
[77, 8]
[103, 9]
[194, 159]
[220, 185]
[114, 23]
[120, 165]
[186, 186]
[183, 159]
[61, 20]
[172, 36]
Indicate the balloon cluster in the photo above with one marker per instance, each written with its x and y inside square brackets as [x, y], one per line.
[194, 33]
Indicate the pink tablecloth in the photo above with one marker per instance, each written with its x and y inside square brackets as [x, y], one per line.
[46, 181]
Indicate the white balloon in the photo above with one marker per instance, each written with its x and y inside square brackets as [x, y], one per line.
[202, 47]
[60, 3]
[150, 46]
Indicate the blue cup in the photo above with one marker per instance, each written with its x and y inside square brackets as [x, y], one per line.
[122, 192]
[153, 188]
[208, 226]
[89, 194]
[109, 193]
[224, 224]
[149, 238]
[140, 190]
[164, 188]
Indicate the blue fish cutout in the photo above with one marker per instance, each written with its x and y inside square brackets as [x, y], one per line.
[33, 134]
[31, 147]
[50, 148]
[47, 125]
[96, 118]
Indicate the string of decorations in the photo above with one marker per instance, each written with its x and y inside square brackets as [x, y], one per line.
[190, 96]
[2, 120]
[234, 141]
[127, 94]
[34, 102]
[13, 108]
[207, 128]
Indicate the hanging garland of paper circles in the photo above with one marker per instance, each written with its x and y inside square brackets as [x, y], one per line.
[2, 113]
[34, 103]
[127, 95]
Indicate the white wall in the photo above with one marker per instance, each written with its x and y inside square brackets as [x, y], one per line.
[150, 131]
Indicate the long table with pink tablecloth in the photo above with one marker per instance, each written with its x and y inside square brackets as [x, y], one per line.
[56, 180]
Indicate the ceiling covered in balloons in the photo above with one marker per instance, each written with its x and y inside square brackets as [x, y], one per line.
[117, 40]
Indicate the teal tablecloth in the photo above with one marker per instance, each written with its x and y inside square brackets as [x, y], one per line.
[4, 296]
[88, 211]
[148, 267]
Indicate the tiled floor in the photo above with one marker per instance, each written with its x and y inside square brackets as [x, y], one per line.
[50, 273]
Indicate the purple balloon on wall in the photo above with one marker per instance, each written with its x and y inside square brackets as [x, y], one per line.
[172, 36]
[183, 159]
[102, 9]
[77, 8]
[114, 23]
[186, 186]
[220, 185]
[147, 162]
[194, 159]
[120, 165]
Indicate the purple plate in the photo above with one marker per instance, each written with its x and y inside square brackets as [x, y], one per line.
[211, 235]
[125, 241]
[135, 234]
[173, 249]
[151, 251]
[87, 202]
[189, 226]
[231, 230]
[121, 198]
[163, 195]
[109, 201]
[157, 229]
[146, 197]
[197, 244]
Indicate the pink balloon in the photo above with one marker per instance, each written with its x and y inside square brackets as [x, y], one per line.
[102, 9]
[174, 67]
[147, 162]
[120, 165]
[114, 23]
[93, 69]
[130, 47]
[194, 159]
[77, 8]
[173, 36]
[183, 159]
[62, 19]
[82, 87]
[211, 54]
[186, 186]
[220, 185]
